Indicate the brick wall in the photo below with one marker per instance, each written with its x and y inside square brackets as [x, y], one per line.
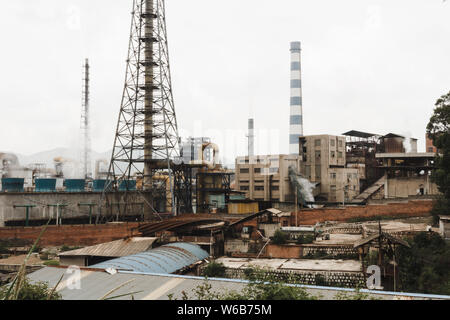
[74, 235]
[419, 208]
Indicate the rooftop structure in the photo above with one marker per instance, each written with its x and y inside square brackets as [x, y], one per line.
[164, 260]
[106, 251]
[95, 285]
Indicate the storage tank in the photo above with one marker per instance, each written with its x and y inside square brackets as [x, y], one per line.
[45, 185]
[75, 185]
[13, 184]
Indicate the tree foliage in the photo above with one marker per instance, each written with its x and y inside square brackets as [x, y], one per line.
[32, 291]
[279, 237]
[425, 267]
[438, 130]
[262, 285]
[214, 269]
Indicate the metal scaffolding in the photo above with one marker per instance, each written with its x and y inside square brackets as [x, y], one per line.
[146, 140]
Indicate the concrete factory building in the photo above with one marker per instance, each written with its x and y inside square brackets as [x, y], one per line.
[323, 161]
[266, 178]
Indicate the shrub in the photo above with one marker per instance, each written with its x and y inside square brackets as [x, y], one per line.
[32, 291]
[279, 237]
[214, 270]
[51, 263]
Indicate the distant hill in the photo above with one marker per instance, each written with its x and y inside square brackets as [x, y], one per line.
[47, 157]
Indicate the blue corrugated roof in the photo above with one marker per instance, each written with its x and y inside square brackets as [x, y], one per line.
[165, 259]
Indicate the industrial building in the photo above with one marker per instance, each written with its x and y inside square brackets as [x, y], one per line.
[189, 149]
[323, 161]
[407, 174]
[266, 178]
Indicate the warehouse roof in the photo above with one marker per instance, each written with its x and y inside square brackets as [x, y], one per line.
[140, 286]
[165, 259]
[119, 248]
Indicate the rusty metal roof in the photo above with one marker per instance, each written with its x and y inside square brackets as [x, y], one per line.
[119, 248]
[384, 235]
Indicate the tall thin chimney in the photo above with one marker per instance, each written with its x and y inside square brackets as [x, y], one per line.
[251, 137]
[296, 114]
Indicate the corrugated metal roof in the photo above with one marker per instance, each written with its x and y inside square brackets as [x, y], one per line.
[119, 248]
[95, 285]
[165, 259]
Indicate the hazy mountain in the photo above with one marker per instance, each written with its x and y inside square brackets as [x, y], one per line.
[46, 157]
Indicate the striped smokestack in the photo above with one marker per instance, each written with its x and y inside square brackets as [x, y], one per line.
[296, 118]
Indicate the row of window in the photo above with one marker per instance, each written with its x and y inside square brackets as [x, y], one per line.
[332, 154]
[272, 170]
[259, 188]
[349, 176]
[318, 143]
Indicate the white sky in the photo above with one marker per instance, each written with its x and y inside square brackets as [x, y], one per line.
[375, 66]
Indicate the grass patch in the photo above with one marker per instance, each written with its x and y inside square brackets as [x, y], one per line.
[51, 263]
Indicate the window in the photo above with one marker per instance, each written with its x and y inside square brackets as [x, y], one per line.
[244, 188]
[333, 154]
[318, 172]
[430, 149]
[340, 155]
[259, 181]
[244, 182]
[333, 188]
[317, 154]
[259, 188]
[257, 170]
[244, 170]
[340, 143]
[275, 188]
[333, 176]
[317, 142]
[332, 142]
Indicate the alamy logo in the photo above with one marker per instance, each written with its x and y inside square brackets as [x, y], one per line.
[374, 281]
[74, 281]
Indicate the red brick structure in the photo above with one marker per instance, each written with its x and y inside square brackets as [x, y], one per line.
[412, 208]
[73, 235]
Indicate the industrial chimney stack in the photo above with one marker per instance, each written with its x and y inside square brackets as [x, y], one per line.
[296, 114]
[251, 137]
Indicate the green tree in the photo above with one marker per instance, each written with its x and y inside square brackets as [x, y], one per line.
[279, 237]
[424, 267]
[214, 269]
[438, 130]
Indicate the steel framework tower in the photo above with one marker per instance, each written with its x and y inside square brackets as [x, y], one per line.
[146, 140]
[85, 125]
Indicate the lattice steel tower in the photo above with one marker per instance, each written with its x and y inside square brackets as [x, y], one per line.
[85, 125]
[146, 139]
